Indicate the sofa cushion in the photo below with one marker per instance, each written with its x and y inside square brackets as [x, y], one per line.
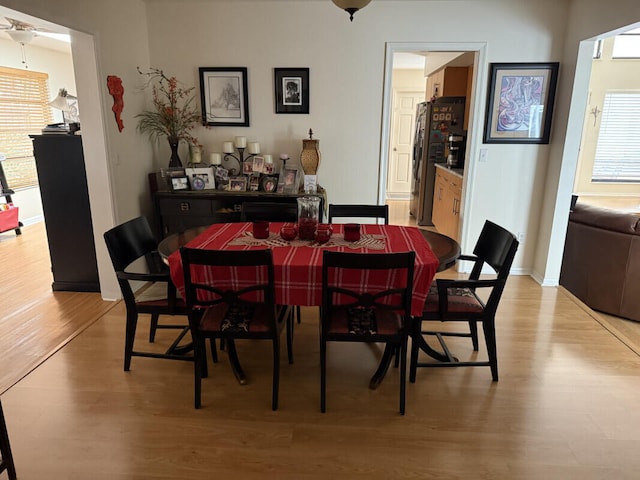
[606, 219]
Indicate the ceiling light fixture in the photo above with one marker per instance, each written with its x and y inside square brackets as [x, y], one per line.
[21, 36]
[351, 6]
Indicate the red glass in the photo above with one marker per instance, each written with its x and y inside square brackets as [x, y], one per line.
[307, 228]
[289, 231]
[261, 229]
[323, 235]
[352, 232]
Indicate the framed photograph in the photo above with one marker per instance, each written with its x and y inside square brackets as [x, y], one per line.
[258, 164]
[292, 90]
[238, 184]
[269, 184]
[201, 178]
[254, 183]
[247, 167]
[520, 102]
[179, 182]
[224, 95]
[290, 180]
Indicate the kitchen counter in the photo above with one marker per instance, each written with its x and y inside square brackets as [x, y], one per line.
[456, 171]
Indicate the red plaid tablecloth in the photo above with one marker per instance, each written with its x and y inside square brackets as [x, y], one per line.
[298, 269]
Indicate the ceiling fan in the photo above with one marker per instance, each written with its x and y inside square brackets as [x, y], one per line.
[19, 31]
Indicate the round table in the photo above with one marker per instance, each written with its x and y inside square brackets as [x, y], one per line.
[445, 248]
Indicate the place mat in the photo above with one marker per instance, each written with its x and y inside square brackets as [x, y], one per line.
[371, 242]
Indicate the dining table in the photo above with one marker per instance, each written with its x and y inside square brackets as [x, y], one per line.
[298, 263]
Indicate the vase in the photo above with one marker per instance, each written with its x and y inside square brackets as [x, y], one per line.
[310, 156]
[174, 161]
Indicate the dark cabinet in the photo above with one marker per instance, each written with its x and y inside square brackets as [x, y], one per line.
[67, 214]
[178, 211]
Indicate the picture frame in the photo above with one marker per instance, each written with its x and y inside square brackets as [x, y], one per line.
[254, 183]
[520, 102]
[258, 164]
[291, 90]
[179, 182]
[201, 178]
[238, 184]
[224, 95]
[269, 184]
[290, 180]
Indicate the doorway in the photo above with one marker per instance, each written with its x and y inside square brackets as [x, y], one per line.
[387, 141]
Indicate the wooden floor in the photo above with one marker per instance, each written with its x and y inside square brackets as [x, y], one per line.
[566, 407]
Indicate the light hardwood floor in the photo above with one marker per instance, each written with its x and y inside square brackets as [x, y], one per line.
[566, 407]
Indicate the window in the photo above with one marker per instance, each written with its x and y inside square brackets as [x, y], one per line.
[618, 151]
[24, 111]
[627, 45]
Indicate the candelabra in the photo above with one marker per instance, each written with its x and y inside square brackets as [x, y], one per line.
[234, 163]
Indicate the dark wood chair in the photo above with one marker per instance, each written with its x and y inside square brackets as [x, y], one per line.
[270, 211]
[231, 310]
[133, 251]
[377, 212]
[357, 313]
[6, 458]
[459, 301]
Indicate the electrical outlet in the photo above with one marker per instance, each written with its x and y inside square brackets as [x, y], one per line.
[483, 154]
[521, 236]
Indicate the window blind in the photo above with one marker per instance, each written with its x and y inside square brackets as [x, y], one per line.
[618, 150]
[24, 111]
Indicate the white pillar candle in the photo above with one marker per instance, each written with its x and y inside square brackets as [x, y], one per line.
[241, 142]
[253, 148]
[227, 147]
[268, 159]
[214, 159]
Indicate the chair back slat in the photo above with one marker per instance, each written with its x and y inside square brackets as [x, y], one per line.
[359, 211]
[129, 241]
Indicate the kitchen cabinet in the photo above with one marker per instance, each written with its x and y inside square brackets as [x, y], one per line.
[448, 82]
[67, 213]
[447, 195]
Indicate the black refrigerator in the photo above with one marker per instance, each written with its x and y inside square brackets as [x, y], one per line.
[435, 121]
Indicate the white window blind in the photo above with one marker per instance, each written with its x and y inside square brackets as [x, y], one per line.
[618, 150]
[24, 110]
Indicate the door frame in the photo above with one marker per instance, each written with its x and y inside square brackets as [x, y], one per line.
[475, 111]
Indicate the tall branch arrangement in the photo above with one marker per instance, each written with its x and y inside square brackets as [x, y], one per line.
[174, 114]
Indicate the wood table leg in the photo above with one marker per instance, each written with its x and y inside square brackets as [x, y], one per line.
[235, 362]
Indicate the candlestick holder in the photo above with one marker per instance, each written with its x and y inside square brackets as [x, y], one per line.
[234, 162]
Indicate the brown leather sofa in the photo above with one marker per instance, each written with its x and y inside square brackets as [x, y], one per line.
[601, 262]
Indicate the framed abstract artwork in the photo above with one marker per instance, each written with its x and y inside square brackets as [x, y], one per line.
[224, 96]
[520, 102]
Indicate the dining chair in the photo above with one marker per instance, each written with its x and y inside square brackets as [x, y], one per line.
[270, 211]
[6, 457]
[378, 212]
[460, 301]
[133, 251]
[354, 311]
[230, 295]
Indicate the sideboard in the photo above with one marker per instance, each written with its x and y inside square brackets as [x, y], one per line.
[176, 211]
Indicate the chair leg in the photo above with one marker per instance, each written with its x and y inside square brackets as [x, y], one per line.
[276, 372]
[153, 327]
[397, 354]
[214, 350]
[129, 337]
[5, 449]
[289, 326]
[413, 366]
[199, 356]
[489, 328]
[323, 375]
[298, 313]
[473, 329]
[403, 375]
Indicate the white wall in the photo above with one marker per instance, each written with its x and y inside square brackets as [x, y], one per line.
[519, 186]
[59, 66]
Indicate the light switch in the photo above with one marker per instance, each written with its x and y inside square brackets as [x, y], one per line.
[483, 154]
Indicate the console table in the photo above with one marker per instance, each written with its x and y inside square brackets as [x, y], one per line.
[181, 210]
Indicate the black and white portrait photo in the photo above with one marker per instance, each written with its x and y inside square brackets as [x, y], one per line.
[292, 88]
